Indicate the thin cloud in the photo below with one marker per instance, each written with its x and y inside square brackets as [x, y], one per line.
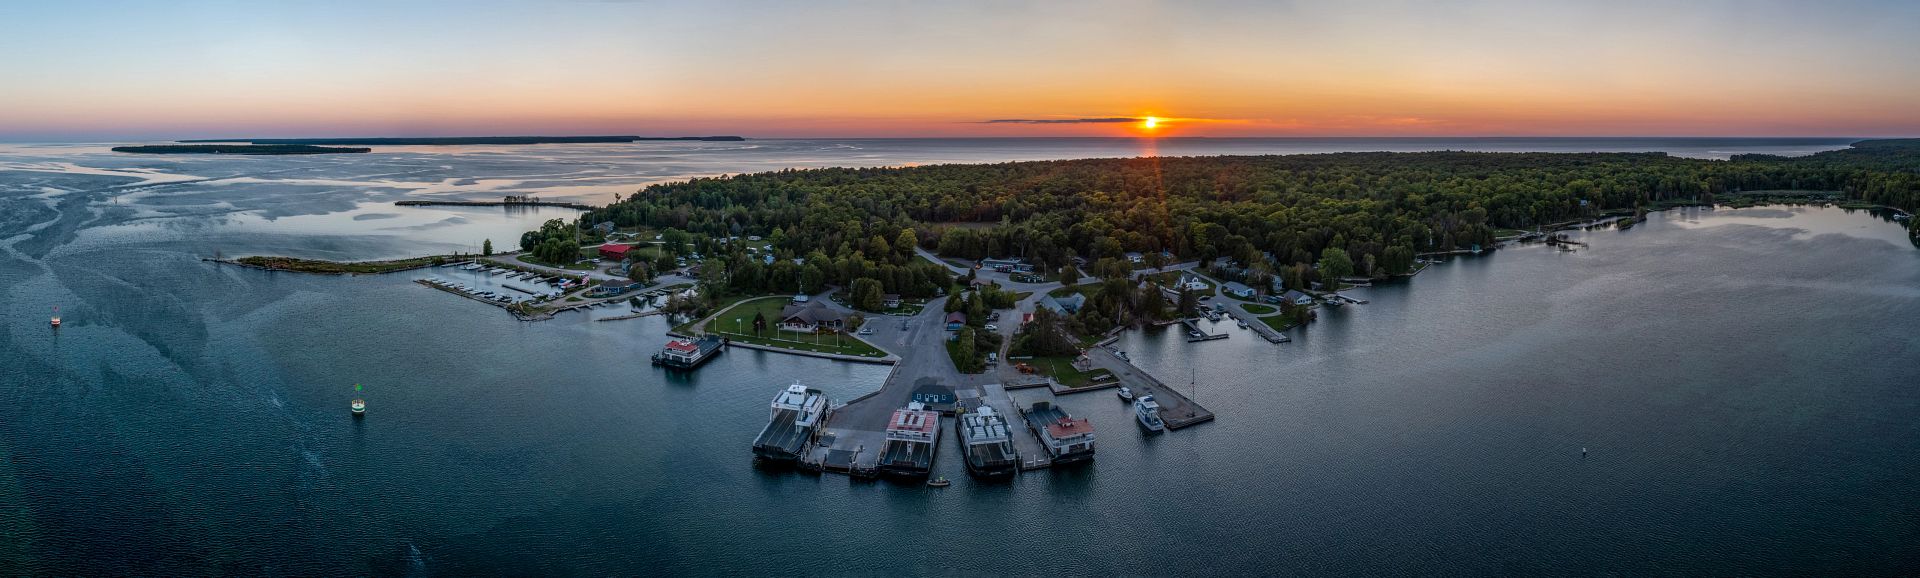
[1101, 120]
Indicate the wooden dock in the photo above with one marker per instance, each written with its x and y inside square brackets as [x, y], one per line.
[1204, 336]
[1261, 329]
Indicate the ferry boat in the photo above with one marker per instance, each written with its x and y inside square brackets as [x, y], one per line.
[798, 412]
[688, 354]
[1148, 412]
[913, 435]
[1068, 439]
[988, 444]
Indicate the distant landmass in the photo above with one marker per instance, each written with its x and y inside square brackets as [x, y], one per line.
[238, 149]
[461, 140]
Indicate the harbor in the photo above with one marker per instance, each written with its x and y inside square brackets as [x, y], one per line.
[896, 430]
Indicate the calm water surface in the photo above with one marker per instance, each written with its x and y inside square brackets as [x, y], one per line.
[1743, 379]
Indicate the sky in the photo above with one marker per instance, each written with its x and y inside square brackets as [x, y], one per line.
[80, 70]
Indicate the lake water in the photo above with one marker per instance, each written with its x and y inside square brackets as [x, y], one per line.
[1743, 380]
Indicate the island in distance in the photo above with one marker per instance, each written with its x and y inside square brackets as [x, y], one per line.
[462, 140]
[238, 149]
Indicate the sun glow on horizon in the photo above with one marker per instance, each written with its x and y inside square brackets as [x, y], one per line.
[1149, 123]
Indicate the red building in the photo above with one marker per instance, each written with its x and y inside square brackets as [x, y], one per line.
[613, 251]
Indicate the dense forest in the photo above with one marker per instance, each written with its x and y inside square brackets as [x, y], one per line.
[1280, 213]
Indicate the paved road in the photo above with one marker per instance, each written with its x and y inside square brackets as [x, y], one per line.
[921, 344]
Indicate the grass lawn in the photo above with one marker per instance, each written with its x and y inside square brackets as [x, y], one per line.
[528, 259]
[1061, 370]
[727, 302]
[737, 325]
[1278, 322]
[1258, 309]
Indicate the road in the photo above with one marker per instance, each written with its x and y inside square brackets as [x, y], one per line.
[920, 341]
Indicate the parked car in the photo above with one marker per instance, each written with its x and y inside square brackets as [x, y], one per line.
[992, 327]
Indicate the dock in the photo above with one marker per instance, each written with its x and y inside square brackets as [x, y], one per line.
[851, 440]
[1259, 328]
[1032, 453]
[1176, 409]
[1194, 326]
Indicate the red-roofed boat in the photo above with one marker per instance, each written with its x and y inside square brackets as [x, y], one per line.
[688, 353]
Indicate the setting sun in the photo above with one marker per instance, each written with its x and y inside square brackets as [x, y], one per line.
[1149, 123]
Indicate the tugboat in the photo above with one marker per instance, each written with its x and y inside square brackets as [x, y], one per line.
[1126, 394]
[1148, 412]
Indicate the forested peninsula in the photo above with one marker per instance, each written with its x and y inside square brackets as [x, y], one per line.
[237, 149]
[1307, 221]
[1381, 208]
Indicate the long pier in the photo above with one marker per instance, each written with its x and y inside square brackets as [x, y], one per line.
[1259, 328]
[1176, 409]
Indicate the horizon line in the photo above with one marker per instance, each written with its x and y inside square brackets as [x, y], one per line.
[10, 140]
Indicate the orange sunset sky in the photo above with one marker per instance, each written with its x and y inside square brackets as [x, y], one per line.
[98, 70]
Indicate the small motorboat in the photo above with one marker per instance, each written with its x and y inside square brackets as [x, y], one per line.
[359, 407]
[940, 482]
[1126, 394]
[1194, 334]
[55, 322]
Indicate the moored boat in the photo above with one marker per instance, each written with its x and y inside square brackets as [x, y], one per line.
[987, 443]
[1126, 393]
[913, 435]
[689, 353]
[1068, 439]
[1147, 411]
[798, 412]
